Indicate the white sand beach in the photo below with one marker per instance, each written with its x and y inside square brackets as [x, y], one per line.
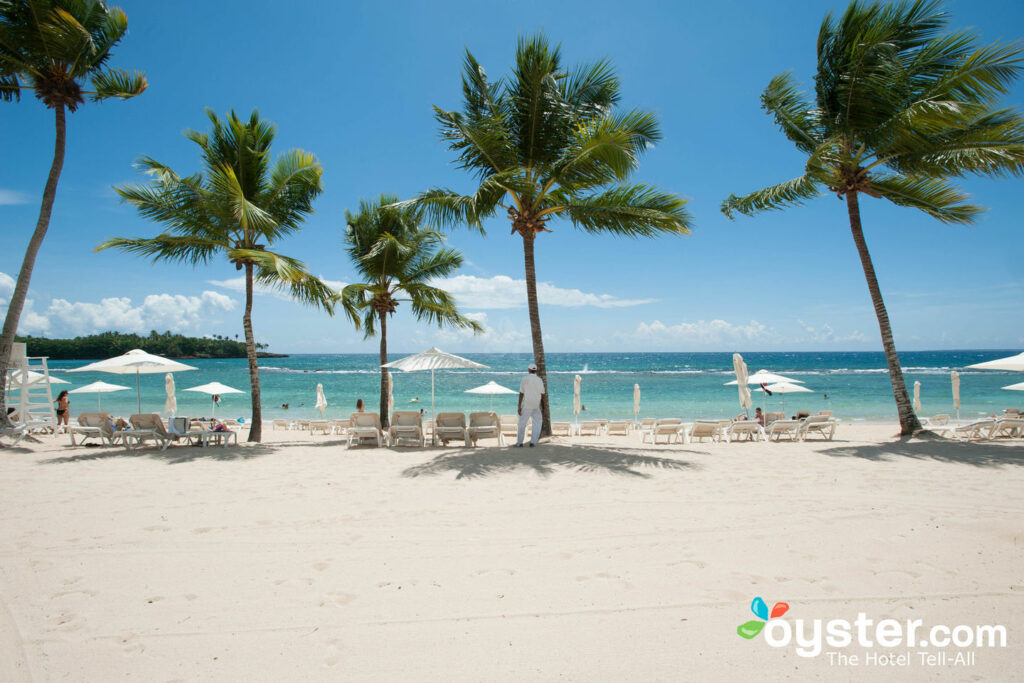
[300, 560]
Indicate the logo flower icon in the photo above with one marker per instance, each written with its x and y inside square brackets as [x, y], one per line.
[760, 610]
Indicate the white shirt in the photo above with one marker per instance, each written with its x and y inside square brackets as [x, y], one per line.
[531, 388]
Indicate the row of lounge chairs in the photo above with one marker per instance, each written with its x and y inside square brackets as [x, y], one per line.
[409, 426]
[1009, 426]
[675, 430]
[147, 427]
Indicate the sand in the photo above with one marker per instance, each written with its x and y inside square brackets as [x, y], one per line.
[580, 560]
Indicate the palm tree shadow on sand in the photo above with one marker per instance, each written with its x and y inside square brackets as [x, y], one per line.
[544, 459]
[929, 447]
[174, 455]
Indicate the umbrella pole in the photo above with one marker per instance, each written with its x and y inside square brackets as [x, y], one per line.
[433, 420]
[138, 390]
[98, 401]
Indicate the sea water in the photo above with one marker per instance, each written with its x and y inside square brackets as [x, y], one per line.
[855, 385]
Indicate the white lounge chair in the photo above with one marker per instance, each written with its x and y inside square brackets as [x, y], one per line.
[748, 430]
[935, 421]
[560, 429]
[340, 426]
[94, 426]
[451, 427]
[769, 418]
[485, 426]
[281, 424]
[1008, 427]
[406, 425]
[821, 424]
[978, 430]
[15, 434]
[665, 428]
[320, 427]
[590, 428]
[709, 429]
[365, 427]
[147, 427]
[780, 428]
[509, 425]
[619, 428]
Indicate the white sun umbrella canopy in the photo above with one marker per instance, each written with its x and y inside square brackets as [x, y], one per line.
[321, 400]
[636, 402]
[1016, 387]
[917, 396]
[784, 388]
[135, 362]
[31, 377]
[1012, 363]
[171, 405]
[214, 389]
[742, 378]
[765, 377]
[491, 388]
[433, 359]
[98, 388]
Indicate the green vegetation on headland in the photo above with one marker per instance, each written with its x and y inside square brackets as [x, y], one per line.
[109, 344]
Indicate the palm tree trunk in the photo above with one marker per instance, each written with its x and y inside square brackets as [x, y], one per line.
[908, 420]
[385, 376]
[535, 333]
[256, 426]
[17, 302]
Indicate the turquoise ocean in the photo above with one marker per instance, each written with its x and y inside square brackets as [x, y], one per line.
[689, 385]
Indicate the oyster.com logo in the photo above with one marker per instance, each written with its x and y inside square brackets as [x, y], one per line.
[760, 610]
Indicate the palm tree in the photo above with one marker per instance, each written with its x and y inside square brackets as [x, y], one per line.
[900, 107]
[543, 143]
[242, 205]
[398, 259]
[52, 47]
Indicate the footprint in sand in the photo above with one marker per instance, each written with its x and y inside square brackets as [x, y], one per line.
[67, 622]
[340, 598]
[191, 596]
[321, 566]
[333, 652]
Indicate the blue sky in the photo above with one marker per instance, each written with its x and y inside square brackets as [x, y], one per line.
[354, 82]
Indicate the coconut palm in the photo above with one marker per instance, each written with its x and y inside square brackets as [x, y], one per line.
[398, 259]
[900, 107]
[236, 211]
[52, 47]
[545, 143]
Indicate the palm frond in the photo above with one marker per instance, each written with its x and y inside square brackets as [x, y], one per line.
[790, 193]
[935, 197]
[628, 211]
[792, 112]
[165, 247]
[118, 83]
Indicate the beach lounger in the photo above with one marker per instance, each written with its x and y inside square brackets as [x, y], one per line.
[281, 424]
[485, 426]
[365, 427]
[709, 429]
[619, 428]
[320, 427]
[560, 429]
[221, 438]
[509, 425]
[147, 427]
[15, 434]
[821, 424]
[1008, 427]
[340, 426]
[975, 431]
[780, 428]
[406, 425]
[772, 417]
[451, 427]
[745, 430]
[302, 425]
[665, 428]
[93, 426]
[590, 428]
[935, 421]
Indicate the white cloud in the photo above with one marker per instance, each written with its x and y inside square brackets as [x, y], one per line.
[63, 318]
[502, 291]
[710, 333]
[11, 197]
[825, 334]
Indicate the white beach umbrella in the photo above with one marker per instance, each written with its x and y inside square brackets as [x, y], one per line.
[1016, 387]
[917, 396]
[99, 388]
[171, 406]
[954, 378]
[31, 377]
[636, 402]
[433, 359]
[1013, 363]
[492, 389]
[135, 362]
[321, 400]
[215, 389]
[765, 377]
[742, 377]
[784, 388]
[577, 404]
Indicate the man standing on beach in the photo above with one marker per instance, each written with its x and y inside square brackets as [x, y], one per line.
[530, 391]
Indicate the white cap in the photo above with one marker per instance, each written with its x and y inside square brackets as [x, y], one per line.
[533, 366]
